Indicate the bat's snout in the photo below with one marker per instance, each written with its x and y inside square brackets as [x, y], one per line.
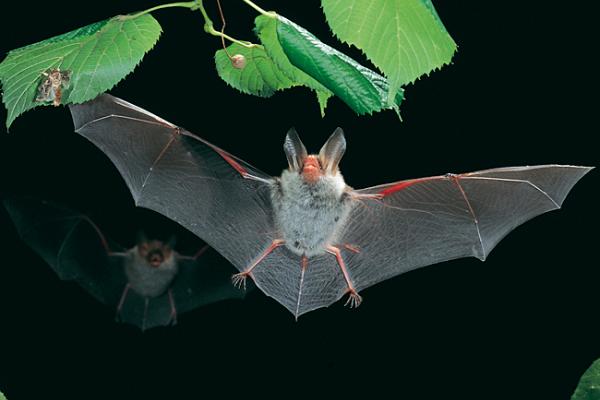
[311, 169]
[155, 258]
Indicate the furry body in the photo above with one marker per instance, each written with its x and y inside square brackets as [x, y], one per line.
[310, 215]
[146, 280]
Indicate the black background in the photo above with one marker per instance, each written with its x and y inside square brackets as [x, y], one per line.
[521, 325]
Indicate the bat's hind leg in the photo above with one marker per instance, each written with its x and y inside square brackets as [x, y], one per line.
[173, 315]
[354, 298]
[239, 280]
[121, 302]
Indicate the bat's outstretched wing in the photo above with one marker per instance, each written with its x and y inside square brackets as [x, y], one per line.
[217, 196]
[402, 226]
[410, 224]
[72, 245]
[220, 198]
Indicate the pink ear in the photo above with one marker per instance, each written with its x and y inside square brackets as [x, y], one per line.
[294, 150]
[332, 151]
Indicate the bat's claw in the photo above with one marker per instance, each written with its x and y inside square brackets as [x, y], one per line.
[239, 280]
[354, 299]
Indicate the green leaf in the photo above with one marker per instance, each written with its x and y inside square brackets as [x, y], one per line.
[323, 98]
[589, 384]
[363, 90]
[267, 68]
[98, 56]
[260, 76]
[2, 396]
[403, 38]
[266, 29]
[291, 56]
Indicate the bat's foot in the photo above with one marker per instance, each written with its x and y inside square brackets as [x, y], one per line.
[239, 280]
[354, 299]
[121, 302]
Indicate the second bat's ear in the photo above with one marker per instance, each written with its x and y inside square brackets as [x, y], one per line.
[171, 242]
[332, 151]
[141, 238]
[294, 150]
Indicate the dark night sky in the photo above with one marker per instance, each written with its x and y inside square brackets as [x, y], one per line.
[521, 325]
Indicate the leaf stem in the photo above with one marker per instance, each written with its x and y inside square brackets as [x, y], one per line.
[209, 28]
[271, 14]
[192, 5]
[208, 24]
[223, 24]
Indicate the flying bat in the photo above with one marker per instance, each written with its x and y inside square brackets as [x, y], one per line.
[306, 238]
[150, 284]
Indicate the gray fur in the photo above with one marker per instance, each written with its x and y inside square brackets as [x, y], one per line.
[147, 280]
[309, 215]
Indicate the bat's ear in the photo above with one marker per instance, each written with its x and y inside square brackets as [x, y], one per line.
[332, 151]
[294, 150]
[141, 238]
[171, 242]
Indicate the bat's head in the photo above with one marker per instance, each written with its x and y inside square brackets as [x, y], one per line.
[155, 252]
[312, 166]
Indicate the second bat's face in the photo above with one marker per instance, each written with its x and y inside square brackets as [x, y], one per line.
[311, 199]
[154, 252]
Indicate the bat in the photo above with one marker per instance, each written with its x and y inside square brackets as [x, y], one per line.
[150, 284]
[306, 238]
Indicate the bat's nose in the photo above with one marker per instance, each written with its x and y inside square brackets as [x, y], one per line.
[311, 169]
[312, 162]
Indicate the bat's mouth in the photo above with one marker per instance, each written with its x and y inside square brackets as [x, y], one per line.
[155, 258]
[311, 169]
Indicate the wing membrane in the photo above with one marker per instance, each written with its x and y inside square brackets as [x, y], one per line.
[425, 221]
[177, 174]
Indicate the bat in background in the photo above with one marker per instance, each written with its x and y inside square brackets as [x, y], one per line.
[306, 238]
[150, 284]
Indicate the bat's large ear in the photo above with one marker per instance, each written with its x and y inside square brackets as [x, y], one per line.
[141, 238]
[332, 151]
[171, 242]
[294, 150]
